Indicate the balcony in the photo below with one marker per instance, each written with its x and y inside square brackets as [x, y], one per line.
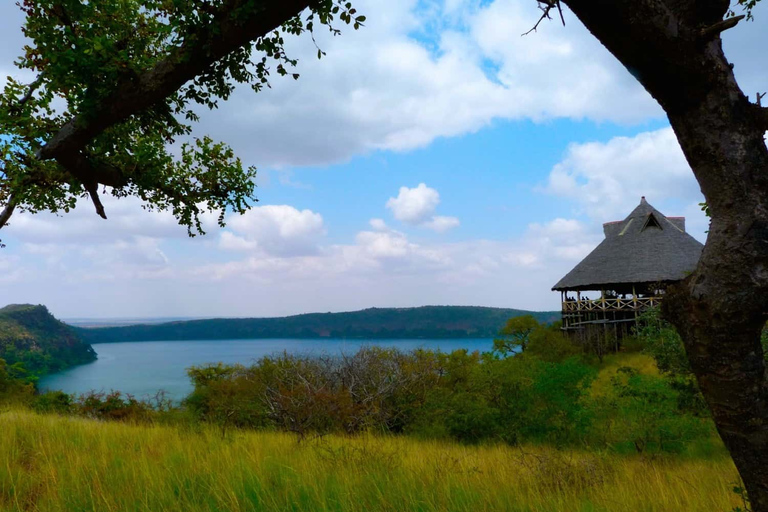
[610, 305]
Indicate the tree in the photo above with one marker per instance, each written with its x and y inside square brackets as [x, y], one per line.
[673, 48]
[116, 84]
[516, 334]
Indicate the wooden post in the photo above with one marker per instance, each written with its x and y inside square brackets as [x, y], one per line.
[564, 313]
[634, 303]
[578, 306]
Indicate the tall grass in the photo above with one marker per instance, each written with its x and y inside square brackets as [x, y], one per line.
[51, 463]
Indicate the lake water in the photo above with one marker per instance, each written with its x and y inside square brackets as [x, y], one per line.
[143, 368]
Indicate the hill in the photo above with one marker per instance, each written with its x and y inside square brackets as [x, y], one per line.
[32, 336]
[373, 323]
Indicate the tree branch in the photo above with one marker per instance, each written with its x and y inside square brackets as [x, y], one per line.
[196, 54]
[80, 167]
[712, 31]
[548, 6]
[32, 88]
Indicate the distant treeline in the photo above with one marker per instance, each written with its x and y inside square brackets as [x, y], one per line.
[373, 323]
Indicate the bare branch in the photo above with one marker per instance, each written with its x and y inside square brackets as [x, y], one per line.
[548, 6]
[93, 192]
[32, 88]
[80, 167]
[759, 98]
[712, 31]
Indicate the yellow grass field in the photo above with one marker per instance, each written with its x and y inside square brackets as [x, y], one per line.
[51, 463]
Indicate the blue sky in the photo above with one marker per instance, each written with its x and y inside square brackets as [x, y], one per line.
[433, 157]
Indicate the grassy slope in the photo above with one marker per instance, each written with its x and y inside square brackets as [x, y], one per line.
[62, 464]
[58, 464]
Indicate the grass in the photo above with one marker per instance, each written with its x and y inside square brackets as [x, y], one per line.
[51, 463]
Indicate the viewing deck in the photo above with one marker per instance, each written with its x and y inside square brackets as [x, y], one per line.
[578, 313]
[610, 305]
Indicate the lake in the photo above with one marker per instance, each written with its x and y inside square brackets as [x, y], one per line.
[143, 368]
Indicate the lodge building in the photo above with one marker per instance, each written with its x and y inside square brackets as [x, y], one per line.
[628, 272]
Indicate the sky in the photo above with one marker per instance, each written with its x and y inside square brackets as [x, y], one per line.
[434, 156]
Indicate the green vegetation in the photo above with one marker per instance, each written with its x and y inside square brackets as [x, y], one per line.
[61, 464]
[551, 394]
[551, 428]
[373, 323]
[33, 343]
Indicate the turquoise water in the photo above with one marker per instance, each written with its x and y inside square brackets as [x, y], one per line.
[143, 368]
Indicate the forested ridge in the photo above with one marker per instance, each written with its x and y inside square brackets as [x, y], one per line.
[34, 342]
[372, 323]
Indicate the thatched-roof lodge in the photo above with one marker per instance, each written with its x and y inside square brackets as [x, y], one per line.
[629, 270]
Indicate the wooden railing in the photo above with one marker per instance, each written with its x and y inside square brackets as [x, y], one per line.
[636, 304]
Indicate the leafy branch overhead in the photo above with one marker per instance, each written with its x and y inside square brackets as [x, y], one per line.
[117, 83]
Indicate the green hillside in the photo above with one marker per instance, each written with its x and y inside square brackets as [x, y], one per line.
[373, 323]
[32, 336]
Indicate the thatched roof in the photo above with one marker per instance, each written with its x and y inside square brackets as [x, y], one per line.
[646, 247]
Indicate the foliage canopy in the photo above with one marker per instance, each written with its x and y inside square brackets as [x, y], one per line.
[114, 95]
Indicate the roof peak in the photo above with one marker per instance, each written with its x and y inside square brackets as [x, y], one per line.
[631, 253]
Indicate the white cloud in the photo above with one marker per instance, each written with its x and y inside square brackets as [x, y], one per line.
[232, 242]
[441, 224]
[416, 206]
[126, 218]
[379, 244]
[420, 70]
[11, 269]
[378, 224]
[606, 179]
[275, 230]
[396, 85]
[555, 243]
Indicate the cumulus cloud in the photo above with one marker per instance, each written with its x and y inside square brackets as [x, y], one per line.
[396, 85]
[416, 206]
[441, 223]
[126, 218]
[378, 224]
[275, 230]
[554, 243]
[79, 246]
[606, 179]
[422, 70]
[378, 244]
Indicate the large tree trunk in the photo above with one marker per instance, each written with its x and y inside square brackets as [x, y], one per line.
[673, 48]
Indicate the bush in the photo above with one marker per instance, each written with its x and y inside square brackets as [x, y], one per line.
[536, 396]
[14, 387]
[56, 402]
[644, 412]
[552, 345]
[113, 406]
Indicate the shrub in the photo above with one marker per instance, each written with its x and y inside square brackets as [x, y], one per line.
[113, 406]
[56, 402]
